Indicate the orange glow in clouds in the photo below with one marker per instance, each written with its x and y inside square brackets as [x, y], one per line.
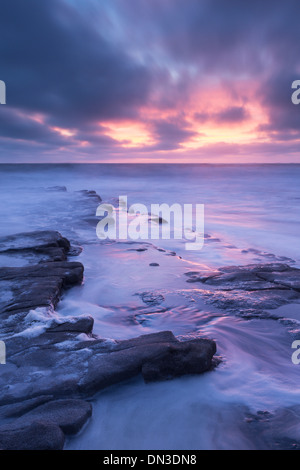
[129, 134]
[203, 114]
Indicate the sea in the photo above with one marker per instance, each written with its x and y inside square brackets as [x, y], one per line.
[251, 215]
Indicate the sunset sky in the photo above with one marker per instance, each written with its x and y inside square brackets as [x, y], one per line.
[205, 81]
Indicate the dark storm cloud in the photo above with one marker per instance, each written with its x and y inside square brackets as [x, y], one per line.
[219, 36]
[15, 126]
[106, 60]
[170, 133]
[53, 62]
[284, 116]
[229, 39]
[230, 115]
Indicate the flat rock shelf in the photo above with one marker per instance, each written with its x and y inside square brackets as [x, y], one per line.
[55, 364]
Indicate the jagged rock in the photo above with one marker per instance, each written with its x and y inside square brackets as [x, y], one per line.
[44, 245]
[151, 299]
[253, 303]
[30, 287]
[128, 358]
[196, 276]
[250, 290]
[14, 411]
[70, 415]
[60, 365]
[289, 278]
[53, 360]
[191, 357]
[36, 436]
[33, 241]
[91, 194]
[82, 324]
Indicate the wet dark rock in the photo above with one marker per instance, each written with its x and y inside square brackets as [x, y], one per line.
[285, 443]
[57, 188]
[197, 276]
[37, 246]
[157, 356]
[289, 278]
[80, 325]
[36, 436]
[252, 303]
[145, 340]
[40, 285]
[65, 367]
[279, 430]
[256, 268]
[54, 363]
[33, 241]
[14, 411]
[250, 290]
[70, 415]
[268, 256]
[74, 251]
[91, 194]
[150, 298]
[137, 249]
[180, 358]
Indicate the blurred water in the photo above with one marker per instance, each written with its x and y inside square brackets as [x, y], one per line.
[251, 215]
[254, 206]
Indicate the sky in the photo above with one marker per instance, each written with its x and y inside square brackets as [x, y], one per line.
[184, 81]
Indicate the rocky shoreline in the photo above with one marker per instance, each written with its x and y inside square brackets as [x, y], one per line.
[55, 364]
[249, 291]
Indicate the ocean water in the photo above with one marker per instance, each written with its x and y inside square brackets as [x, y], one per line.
[251, 216]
